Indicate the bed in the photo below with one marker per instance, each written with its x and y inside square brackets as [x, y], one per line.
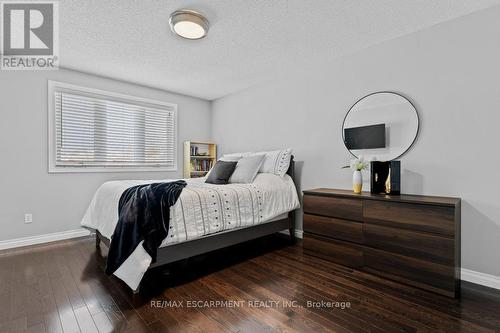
[205, 218]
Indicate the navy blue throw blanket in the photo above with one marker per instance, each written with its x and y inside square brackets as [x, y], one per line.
[143, 214]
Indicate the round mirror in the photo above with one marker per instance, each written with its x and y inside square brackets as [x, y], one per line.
[381, 126]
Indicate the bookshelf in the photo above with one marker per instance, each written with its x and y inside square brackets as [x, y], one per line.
[199, 157]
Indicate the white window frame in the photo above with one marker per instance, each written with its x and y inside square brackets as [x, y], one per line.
[53, 86]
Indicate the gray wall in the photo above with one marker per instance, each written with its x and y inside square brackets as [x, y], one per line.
[58, 201]
[451, 72]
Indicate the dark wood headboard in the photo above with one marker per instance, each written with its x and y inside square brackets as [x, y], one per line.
[291, 173]
[291, 169]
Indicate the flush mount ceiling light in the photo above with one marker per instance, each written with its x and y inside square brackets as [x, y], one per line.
[188, 24]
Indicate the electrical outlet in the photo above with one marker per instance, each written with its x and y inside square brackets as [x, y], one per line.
[28, 218]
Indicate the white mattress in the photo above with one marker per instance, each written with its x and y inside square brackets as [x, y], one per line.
[201, 210]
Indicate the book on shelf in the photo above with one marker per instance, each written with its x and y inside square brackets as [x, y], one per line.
[201, 165]
[195, 151]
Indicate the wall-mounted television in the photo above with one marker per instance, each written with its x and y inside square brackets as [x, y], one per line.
[365, 137]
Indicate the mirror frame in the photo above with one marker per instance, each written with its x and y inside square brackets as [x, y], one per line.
[386, 92]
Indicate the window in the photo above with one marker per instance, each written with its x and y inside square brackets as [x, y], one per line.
[93, 130]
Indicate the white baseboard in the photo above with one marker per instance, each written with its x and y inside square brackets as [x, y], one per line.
[483, 279]
[47, 238]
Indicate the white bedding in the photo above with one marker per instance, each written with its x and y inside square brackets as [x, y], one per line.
[202, 209]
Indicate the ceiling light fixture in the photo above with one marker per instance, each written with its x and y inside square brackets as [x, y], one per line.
[188, 24]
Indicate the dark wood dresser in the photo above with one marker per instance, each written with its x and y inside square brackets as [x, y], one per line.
[407, 238]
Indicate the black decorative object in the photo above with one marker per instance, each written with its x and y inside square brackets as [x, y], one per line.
[385, 177]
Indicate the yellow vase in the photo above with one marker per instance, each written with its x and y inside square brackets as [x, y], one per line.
[357, 182]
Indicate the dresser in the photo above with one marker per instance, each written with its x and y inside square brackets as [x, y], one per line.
[411, 239]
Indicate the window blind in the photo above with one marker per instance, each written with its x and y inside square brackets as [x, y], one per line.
[100, 131]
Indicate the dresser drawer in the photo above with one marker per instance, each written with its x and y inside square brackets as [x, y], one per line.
[334, 228]
[350, 209]
[343, 253]
[416, 272]
[409, 243]
[426, 218]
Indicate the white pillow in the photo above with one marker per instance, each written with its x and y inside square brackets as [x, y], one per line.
[230, 158]
[235, 155]
[246, 169]
[276, 162]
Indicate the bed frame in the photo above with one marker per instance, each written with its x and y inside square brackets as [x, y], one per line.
[176, 252]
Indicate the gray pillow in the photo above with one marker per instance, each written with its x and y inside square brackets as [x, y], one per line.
[247, 169]
[221, 172]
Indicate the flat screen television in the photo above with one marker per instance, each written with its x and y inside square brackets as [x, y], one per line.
[365, 137]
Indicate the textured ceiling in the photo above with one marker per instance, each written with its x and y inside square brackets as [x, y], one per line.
[249, 41]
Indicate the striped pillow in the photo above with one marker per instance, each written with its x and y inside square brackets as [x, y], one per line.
[276, 162]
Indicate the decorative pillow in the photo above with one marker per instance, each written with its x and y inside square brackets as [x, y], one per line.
[230, 158]
[235, 155]
[221, 172]
[247, 169]
[276, 162]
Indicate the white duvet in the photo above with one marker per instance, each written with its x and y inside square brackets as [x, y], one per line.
[202, 209]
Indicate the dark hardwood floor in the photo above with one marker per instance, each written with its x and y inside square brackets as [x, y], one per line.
[61, 288]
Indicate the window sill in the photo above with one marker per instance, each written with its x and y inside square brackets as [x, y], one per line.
[59, 169]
